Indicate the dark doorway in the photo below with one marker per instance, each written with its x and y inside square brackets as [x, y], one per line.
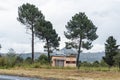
[59, 63]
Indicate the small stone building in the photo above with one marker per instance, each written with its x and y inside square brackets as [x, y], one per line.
[64, 58]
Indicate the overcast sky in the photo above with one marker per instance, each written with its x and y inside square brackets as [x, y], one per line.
[105, 14]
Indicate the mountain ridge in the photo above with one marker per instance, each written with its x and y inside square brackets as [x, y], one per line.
[89, 57]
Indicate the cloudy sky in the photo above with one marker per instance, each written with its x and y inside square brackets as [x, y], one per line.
[105, 14]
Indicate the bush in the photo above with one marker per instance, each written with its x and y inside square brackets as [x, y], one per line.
[19, 61]
[11, 59]
[86, 64]
[43, 59]
[28, 60]
[96, 64]
[36, 65]
[3, 61]
[103, 64]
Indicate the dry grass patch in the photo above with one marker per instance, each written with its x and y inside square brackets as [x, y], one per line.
[63, 74]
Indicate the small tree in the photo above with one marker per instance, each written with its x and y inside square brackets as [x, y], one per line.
[103, 63]
[49, 35]
[19, 60]
[111, 50]
[81, 31]
[28, 14]
[96, 64]
[43, 59]
[28, 60]
[3, 61]
[11, 57]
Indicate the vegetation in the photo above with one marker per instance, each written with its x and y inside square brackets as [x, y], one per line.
[28, 15]
[12, 60]
[49, 35]
[111, 50]
[117, 59]
[42, 62]
[82, 32]
[43, 59]
[63, 74]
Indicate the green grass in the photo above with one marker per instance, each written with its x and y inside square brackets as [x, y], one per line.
[104, 69]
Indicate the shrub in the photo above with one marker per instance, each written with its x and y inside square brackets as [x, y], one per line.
[43, 59]
[96, 64]
[86, 64]
[3, 61]
[103, 64]
[19, 60]
[11, 59]
[28, 60]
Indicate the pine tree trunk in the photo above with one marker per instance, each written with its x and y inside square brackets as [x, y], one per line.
[32, 45]
[48, 49]
[79, 50]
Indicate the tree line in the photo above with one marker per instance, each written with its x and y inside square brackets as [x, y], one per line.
[11, 59]
[80, 31]
[30, 16]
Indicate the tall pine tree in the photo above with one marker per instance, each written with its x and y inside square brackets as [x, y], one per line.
[111, 50]
[82, 31]
[28, 15]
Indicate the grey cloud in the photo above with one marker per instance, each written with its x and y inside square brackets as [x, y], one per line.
[2, 8]
[103, 13]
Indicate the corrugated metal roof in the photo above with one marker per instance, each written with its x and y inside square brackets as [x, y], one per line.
[65, 52]
[69, 51]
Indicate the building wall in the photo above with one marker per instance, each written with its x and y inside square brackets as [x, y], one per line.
[69, 61]
[57, 58]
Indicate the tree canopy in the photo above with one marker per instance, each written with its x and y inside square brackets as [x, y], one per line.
[49, 35]
[82, 31]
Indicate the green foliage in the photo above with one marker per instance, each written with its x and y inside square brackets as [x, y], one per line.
[28, 15]
[117, 59]
[103, 63]
[81, 31]
[9, 60]
[28, 60]
[36, 65]
[46, 32]
[111, 50]
[86, 64]
[71, 45]
[11, 57]
[3, 61]
[43, 59]
[19, 61]
[96, 64]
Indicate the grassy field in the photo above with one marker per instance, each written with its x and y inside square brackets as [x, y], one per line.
[66, 74]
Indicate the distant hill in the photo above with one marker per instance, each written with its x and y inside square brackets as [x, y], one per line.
[25, 55]
[89, 57]
[36, 55]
